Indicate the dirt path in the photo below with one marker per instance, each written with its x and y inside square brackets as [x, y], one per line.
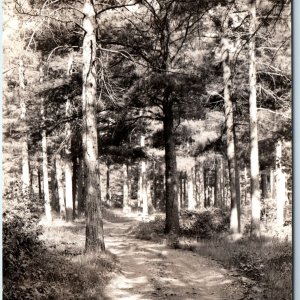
[152, 271]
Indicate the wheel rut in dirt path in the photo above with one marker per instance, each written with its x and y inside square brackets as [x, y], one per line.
[152, 271]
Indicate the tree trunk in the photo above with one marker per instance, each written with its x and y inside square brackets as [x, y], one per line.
[190, 185]
[68, 190]
[128, 165]
[139, 187]
[108, 194]
[280, 185]
[94, 224]
[74, 184]
[144, 189]
[54, 190]
[201, 185]
[254, 161]
[231, 152]
[149, 198]
[272, 184]
[45, 170]
[80, 196]
[40, 184]
[264, 184]
[126, 208]
[172, 218]
[60, 187]
[154, 185]
[217, 185]
[24, 140]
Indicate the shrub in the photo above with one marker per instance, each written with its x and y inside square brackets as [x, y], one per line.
[150, 230]
[204, 224]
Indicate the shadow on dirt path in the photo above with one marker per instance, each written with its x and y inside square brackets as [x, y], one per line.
[152, 271]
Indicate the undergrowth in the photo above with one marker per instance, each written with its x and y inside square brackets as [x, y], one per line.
[56, 269]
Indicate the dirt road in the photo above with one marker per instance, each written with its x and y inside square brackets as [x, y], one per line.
[152, 271]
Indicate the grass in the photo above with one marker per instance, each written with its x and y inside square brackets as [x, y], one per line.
[267, 261]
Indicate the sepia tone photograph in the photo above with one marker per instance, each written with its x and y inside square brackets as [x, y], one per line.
[147, 149]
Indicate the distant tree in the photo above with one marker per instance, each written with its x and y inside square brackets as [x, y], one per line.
[45, 168]
[24, 139]
[254, 159]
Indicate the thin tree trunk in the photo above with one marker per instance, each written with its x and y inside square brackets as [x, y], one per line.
[108, 194]
[221, 183]
[94, 224]
[40, 184]
[196, 183]
[144, 189]
[264, 185]
[254, 160]
[272, 184]
[140, 181]
[280, 185]
[154, 184]
[245, 185]
[231, 152]
[201, 185]
[172, 217]
[69, 165]
[54, 191]
[149, 198]
[184, 197]
[68, 190]
[128, 165]
[45, 170]
[126, 208]
[24, 140]
[217, 186]
[191, 200]
[80, 196]
[60, 187]
[74, 185]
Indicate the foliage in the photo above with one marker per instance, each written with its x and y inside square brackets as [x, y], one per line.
[204, 224]
[21, 212]
[152, 230]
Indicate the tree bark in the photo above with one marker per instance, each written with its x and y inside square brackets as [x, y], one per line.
[144, 189]
[24, 140]
[154, 184]
[60, 187]
[254, 160]
[231, 152]
[108, 194]
[74, 184]
[68, 190]
[68, 167]
[172, 218]
[40, 184]
[280, 185]
[45, 170]
[201, 185]
[80, 196]
[94, 224]
[190, 185]
[126, 208]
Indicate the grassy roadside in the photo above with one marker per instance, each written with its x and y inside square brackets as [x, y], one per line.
[51, 264]
[59, 269]
[264, 265]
